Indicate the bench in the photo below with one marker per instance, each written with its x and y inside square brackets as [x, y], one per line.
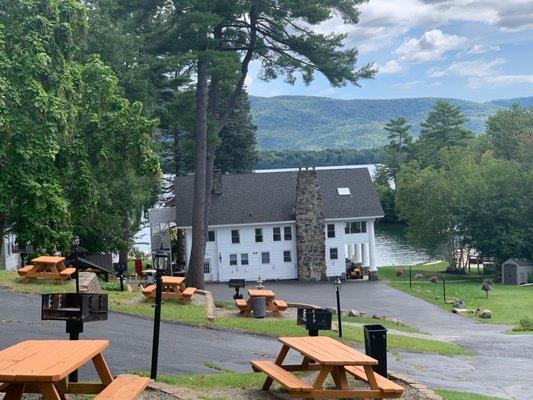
[280, 305]
[389, 388]
[124, 387]
[67, 272]
[243, 306]
[148, 291]
[187, 294]
[284, 377]
[23, 271]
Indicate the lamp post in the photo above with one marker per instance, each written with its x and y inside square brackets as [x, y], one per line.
[160, 265]
[76, 243]
[338, 285]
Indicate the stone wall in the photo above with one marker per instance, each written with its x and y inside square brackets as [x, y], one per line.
[310, 236]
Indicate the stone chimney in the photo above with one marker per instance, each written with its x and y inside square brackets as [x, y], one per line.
[217, 182]
[310, 237]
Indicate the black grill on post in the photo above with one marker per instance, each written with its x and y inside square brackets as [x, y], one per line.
[75, 309]
[237, 284]
[314, 320]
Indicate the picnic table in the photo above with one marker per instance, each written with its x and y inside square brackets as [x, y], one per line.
[329, 357]
[43, 366]
[173, 289]
[272, 305]
[46, 267]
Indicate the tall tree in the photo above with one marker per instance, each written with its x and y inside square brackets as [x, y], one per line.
[400, 142]
[38, 39]
[442, 128]
[220, 39]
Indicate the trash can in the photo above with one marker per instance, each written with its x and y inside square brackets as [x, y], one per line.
[376, 346]
[259, 307]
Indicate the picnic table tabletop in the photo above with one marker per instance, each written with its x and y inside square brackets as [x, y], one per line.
[261, 293]
[173, 280]
[48, 260]
[47, 360]
[327, 351]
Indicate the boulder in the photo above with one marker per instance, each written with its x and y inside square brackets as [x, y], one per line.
[458, 303]
[485, 314]
[89, 283]
[354, 313]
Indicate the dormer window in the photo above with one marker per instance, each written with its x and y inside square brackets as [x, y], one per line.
[343, 191]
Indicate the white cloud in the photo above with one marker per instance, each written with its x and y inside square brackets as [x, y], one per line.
[481, 49]
[500, 80]
[390, 67]
[432, 45]
[407, 85]
[476, 68]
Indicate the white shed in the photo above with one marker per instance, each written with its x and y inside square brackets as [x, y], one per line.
[516, 271]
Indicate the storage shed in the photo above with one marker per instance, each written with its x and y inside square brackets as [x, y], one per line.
[515, 271]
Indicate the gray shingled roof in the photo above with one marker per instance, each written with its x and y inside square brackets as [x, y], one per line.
[519, 261]
[270, 197]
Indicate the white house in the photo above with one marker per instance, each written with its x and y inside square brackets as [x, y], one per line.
[283, 225]
[8, 259]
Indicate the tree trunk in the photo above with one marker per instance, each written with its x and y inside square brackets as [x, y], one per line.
[123, 253]
[2, 236]
[195, 273]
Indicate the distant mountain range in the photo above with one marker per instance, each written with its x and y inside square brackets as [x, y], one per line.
[313, 123]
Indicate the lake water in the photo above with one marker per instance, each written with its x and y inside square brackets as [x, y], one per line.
[393, 248]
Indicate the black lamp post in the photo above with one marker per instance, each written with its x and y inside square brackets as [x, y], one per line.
[338, 286]
[76, 243]
[160, 265]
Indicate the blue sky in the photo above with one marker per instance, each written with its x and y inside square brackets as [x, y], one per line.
[476, 50]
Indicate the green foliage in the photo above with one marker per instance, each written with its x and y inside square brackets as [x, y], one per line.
[454, 395]
[442, 128]
[524, 325]
[296, 158]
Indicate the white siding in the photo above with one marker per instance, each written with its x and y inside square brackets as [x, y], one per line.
[338, 266]
[12, 260]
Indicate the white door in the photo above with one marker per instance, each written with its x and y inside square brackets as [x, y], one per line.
[208, 272]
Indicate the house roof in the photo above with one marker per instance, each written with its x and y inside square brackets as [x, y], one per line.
[271, 197]
[519, 261]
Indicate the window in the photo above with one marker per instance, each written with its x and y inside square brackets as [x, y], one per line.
[331, 230]
[333, 253]
[265, 257]
[287, 233]
[276, 234]
[210, 236]
[344, 191]
[233, 259]
[355, 227]
[207, 266]
[244, 258]
[235, 236]
[287, 256]
[258, 235]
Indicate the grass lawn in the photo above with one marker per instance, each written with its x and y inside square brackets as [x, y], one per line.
[129, 302]
[453, 395]
[243, 380]
[508, 303]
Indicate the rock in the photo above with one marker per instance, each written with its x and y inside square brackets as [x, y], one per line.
[89, 283]
[377, 316]
[458, 303]
[459, 310]
[372, 275]
[485, 314]
[354, 313]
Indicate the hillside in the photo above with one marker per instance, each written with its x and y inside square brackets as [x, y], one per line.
[312, 123]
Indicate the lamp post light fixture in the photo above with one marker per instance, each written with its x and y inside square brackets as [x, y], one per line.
[160, 265]
[76, 243]
[338, 285]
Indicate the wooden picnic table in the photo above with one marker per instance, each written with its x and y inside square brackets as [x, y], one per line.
[46, 267]
[43, 366]
[329, 357]
[173, 289]
[272, 305]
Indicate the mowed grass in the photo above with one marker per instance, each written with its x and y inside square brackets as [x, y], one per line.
[133, 303]
[221, 380]
[508, 303]
[453, 395]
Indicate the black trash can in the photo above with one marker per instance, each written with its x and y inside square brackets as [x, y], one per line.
[259, 307]
[376, 346]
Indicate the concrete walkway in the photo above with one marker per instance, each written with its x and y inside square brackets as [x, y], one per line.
[502, 365]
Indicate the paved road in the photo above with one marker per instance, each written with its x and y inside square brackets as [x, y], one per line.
[502, 365]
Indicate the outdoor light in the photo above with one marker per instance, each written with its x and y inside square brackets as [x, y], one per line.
[76, 243]
[338, 286]
[160, 265]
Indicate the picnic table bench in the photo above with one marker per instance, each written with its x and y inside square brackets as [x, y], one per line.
[272, 304]
[43, 366]
[173, 289]
[46, 267]
[328, 357]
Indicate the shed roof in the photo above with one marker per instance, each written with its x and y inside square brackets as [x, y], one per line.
[271, 197]
[522, 262]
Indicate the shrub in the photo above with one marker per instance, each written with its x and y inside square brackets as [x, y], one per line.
[399, 272]
[524, 325]
[433, 279]
[419, 277]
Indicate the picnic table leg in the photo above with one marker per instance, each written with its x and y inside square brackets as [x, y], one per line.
[102, 369]
[49, 391]
[371, 378]
[14, 391]
[279, 360]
